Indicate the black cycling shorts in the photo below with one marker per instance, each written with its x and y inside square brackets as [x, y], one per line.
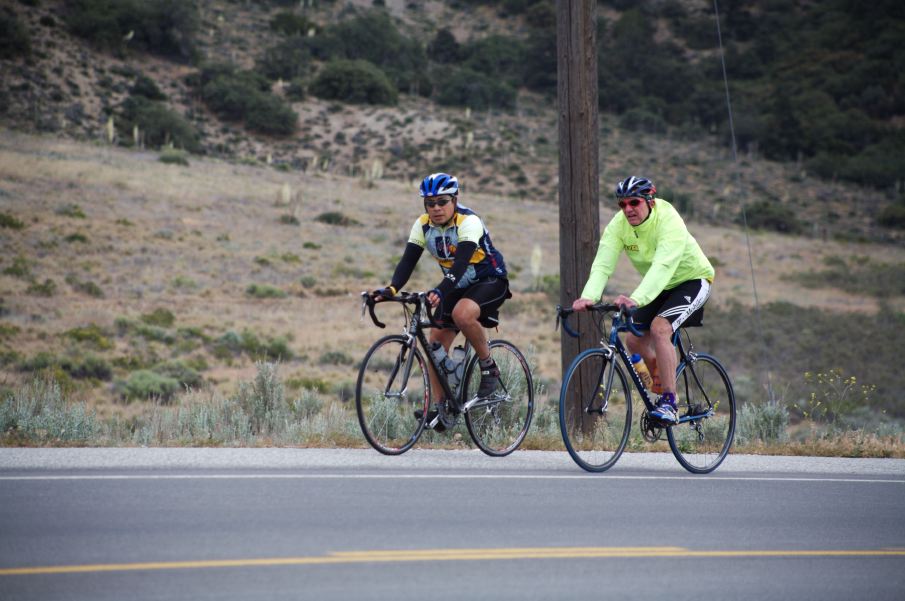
[489, 294]
[681, 306]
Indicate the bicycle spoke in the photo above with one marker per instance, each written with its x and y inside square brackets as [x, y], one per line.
[499, 423]
[392, 384]
[595, 415]
[707, 415]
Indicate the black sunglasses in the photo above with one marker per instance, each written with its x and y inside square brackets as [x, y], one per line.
[634, 202]
[430, 204]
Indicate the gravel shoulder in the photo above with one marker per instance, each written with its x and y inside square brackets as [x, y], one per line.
[16, 459]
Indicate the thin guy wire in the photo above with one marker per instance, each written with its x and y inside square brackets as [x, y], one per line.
[757, 321]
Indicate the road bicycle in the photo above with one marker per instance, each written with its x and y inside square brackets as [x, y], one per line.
[595, 402]
[393, 391]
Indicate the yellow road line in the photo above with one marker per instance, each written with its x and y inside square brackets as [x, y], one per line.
[345, 557]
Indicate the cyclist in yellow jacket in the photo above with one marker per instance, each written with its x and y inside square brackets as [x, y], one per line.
[674, 287]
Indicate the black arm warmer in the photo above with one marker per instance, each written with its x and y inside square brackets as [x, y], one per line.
[406, 266]
[464, 252]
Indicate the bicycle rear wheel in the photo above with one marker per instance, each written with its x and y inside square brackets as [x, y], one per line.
[499, 424]
[392, 383]
[704, 389]
[595, 425]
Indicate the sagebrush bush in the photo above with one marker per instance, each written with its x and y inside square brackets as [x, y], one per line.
[765, 423]
[37, 413]
[264, 291]
[772, 215]
[10, 222]
[146, 384]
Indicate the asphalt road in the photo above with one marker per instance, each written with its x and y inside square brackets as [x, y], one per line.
[243, 524]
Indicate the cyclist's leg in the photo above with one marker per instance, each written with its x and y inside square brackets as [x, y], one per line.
[480, 302]
[684, 305]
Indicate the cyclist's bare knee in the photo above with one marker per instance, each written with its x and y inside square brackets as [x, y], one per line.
[660, 328]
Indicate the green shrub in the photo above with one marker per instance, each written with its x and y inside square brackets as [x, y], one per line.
[89, 287]
[159, 317]
[372, 36]
[48, 288]
[288, 59]
[186, 376]
[147, 87]
[291, 24]
[19, 268]
[70, 210]
[145, 384]
[87, 367]
[355, 81]
[10, 222]
[464, 87]
[307, 281]
[245, 96]
[76, 237]
[264, 291]
[164, 27]
[172, 156]
[92, 334]
[158, 125]
[308, 383]
[336, 218]
[336, 358]
[772, 215]
[14, 38]
[893, 216]
[296, 90]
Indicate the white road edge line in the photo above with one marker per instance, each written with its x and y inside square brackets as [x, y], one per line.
[434, 477]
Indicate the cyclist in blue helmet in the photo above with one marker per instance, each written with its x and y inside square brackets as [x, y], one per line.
[674, 287]
[474, 286]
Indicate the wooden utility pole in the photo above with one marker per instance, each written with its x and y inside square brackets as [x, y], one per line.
[579, 226]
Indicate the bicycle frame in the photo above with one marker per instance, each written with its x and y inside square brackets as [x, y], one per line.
[615, 345]
[420, 319]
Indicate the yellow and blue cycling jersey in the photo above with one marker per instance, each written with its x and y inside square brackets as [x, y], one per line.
[441, 242]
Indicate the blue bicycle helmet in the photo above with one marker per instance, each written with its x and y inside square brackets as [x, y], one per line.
[633, 187]
[438, 184]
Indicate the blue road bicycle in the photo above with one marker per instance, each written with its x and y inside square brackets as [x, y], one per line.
[595, 402]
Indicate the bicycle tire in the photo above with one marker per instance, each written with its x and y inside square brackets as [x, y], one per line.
[498, 426]
[701, 445]
[595, 441]
[386, 400]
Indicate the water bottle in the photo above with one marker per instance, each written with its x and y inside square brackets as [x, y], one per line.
[455, 366]
[439, 354]
[643, 372]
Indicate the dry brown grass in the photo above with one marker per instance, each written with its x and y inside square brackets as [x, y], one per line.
[197, 231]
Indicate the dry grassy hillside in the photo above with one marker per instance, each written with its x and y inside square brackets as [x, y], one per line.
[108, 236]
[67, 88]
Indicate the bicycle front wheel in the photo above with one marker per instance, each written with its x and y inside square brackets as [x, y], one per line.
[595, 415]
[701, 443]
[392, 384]
[499, 423]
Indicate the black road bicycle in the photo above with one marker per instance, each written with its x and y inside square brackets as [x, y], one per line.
[595, 403]
[393, 391]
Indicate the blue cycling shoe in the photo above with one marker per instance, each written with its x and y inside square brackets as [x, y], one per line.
[665, 412]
